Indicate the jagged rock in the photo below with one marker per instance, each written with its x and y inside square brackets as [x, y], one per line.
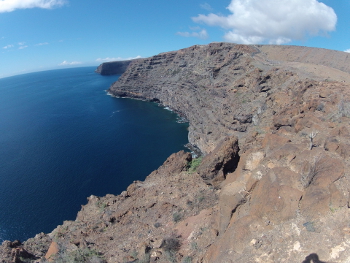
[176, 163]
[19, 255]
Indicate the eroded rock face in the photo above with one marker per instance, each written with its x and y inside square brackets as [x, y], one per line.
[273, 185]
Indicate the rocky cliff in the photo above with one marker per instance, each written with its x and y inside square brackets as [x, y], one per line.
[113, 68]
[273, 125]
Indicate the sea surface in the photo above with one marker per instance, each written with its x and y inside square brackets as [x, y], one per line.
[62, 139]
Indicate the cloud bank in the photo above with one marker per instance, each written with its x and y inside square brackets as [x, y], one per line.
[66, 63]
[206, 6]
[8, 46]
[11, 5]
[347, 51]
[108, 59]
[42, 44]
[201, 34]
[271, 21]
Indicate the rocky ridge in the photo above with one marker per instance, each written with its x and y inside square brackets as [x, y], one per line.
[273, 186]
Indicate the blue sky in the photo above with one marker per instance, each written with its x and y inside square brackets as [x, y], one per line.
[38, 35]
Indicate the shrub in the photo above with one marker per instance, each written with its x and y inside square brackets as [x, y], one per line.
[171, 246]
[177, 217]
[344, 108]
[320, 107]
[187, 260]
[311, 170]
[85, 255]
[193, 165]
[156, 225]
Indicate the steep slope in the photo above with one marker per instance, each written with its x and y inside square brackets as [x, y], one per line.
[273, 185]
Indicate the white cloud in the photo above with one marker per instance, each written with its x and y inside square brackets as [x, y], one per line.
[195, 28]
[348, 50]
[108, 59]
[201, 34]
[11, 5]
[42, 44]
[22, 47]
[66, 63]
[271, 21]
[8, 46]
[206, 6]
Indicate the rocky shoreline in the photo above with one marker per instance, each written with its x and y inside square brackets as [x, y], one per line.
[273, 185]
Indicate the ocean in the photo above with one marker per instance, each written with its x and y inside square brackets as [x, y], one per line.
[62, 139]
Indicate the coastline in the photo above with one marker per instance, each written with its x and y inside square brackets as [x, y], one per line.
[252, 121]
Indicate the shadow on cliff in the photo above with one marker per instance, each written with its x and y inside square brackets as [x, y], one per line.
[313, 258]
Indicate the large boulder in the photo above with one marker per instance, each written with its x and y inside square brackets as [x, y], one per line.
[222, 160]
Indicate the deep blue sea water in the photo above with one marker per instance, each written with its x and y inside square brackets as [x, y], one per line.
[62, 139]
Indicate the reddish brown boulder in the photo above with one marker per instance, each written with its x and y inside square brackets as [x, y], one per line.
[274, 196]
[222, 160]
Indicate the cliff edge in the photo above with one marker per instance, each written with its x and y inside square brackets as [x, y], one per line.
[113, 68]
[272, 185]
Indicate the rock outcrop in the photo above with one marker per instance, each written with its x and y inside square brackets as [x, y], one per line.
[273, 185]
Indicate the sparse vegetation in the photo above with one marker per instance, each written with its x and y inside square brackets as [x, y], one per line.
[171, 243]
[134, 253]
[79, 256]
[22, 259]
[311, 170]
[187, 260]
[194, 245]
[344, 108]
[312, 135]
[101, 205]
[146, 259]
[320, 107]
[309, 226]
[156, 225]
[193, 165]
[171, 246]
[177, 216]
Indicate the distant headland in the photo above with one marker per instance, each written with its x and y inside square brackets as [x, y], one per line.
[113, 68]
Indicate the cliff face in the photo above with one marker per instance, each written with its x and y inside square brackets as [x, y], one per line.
[113, 68]
[223, 89]
[273, 185]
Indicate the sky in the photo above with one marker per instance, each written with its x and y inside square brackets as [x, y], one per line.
[38, 35]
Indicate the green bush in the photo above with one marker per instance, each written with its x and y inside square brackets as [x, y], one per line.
[193, 165]
[177, 217]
